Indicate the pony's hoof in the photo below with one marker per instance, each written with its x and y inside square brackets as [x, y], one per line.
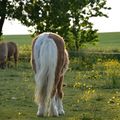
[40, 114]
[61, 112]
[54, 113]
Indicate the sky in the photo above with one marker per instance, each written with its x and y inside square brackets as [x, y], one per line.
[111, 24]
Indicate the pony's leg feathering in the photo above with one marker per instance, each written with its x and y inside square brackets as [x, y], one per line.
[53, 107]
[59, 96]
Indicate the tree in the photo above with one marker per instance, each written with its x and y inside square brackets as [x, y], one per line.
[45, 15]
[66, 17]
[7, 10]
[3, 5]
[81, 11]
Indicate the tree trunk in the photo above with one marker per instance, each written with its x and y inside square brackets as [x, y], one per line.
[3, 14]
[1, 24]
[76, 38]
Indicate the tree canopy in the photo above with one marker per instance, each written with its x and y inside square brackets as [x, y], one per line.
[69, 18]
[7, 10]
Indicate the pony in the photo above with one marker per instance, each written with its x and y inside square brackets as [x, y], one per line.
[3, 54]
[49, 61]
[12, 51]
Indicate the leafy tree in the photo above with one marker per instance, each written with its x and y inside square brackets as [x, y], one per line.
[81, 11]
[3, 4]
[45, 15]
[66, 17]
[8, 9]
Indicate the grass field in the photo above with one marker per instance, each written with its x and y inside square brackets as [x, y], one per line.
[19, 39]
[107, 41]
[90, 94]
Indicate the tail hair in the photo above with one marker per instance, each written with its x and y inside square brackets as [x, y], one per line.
[46, 61]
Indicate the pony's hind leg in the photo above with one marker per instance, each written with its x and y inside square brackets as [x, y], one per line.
[59, 97]
[56, 106]
[41, 109]
[3, 65]
[40, 97]
[15, 58]
[53, 105]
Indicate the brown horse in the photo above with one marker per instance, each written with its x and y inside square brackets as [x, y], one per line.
[8, 50]
[50, 62]
[3, 54]
[12, 51]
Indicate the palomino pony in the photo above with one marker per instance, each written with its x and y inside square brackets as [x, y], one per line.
[49, 61]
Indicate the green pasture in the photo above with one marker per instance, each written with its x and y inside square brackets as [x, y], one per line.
[89, 95]
[107, 41]
[19, 39]
[92, 90]
[112, 39]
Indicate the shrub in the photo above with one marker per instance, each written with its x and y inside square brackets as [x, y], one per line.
[25, 52]
[109, 71]
[84, 60]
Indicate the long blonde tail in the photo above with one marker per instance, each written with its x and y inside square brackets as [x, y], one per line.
[45, 54]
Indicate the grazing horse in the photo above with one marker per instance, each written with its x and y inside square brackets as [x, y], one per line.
[3, 54]
[12, 51]
[49, 61]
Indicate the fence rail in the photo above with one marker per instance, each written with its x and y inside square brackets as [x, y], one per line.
[83, 54]
[107, 55]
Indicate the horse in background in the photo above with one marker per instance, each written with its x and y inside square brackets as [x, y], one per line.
[12, 51]
[8, 50]
[50, 62]
[3, 54]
